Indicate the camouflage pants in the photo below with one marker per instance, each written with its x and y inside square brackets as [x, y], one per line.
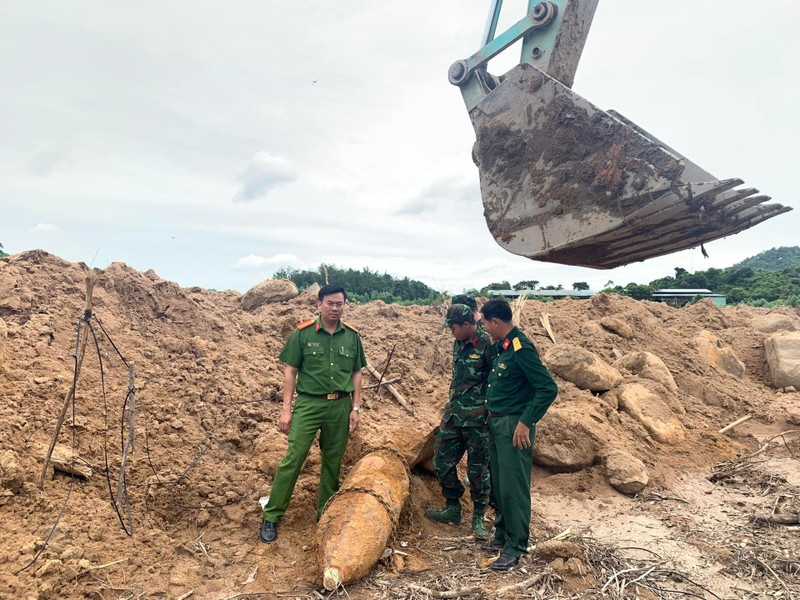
[449, 447]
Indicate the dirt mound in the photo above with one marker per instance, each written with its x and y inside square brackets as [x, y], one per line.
[208, 392]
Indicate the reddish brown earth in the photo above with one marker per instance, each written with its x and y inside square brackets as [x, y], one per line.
[207, 400]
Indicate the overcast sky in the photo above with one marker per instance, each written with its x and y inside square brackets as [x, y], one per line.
[215, 142]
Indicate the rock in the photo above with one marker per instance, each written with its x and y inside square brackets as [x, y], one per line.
[552, 549]
[12, 477]
[793, 417]
[312, 290]
[716, 352]
[783, 357]
[268, 292]
[773, 322]
[648, 366]
[203, 518]
[583, 368]
[570, 437]
[617, 326]
[591, 329]
[651, 411]
[626, 473]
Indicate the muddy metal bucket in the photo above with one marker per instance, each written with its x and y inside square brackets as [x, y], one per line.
[566, 182]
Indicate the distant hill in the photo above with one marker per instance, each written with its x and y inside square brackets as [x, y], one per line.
[776, 259]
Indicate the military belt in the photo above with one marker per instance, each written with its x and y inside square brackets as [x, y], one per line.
[499, 414]
[331, 396]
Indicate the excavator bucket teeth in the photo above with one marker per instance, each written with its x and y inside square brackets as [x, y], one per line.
[563, 181]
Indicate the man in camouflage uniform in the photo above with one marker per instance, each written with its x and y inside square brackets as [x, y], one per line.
[473, 305]
[463, 427]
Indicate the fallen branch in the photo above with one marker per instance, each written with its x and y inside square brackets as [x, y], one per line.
[470, 591]
[778, 519]
[736, 423]
[397, 396]
[522, 585]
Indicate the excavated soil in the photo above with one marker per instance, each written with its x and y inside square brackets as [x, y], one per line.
[208, 389]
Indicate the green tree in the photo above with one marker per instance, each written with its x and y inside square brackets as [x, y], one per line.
[639, 292]
[2, 253]
[580, 285]
[552, 287]
[528, 284]
[498, 285]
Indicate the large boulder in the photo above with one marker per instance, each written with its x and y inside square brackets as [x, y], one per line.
[783, 358]
[267, 292]
[570, 437]
[617, 326]
[648, 366]
[773, 322]
[626, 473]
[583, 368]
[716, 352]
[646, 407]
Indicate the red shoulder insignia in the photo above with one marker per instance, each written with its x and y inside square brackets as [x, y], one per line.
[305, 324]
[349, 326]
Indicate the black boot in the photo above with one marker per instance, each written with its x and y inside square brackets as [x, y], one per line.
[504, 562]
[269, 532]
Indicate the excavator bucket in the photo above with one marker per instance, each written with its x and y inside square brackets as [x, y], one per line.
[566, 182]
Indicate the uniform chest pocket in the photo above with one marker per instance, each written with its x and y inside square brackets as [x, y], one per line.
[313, 354]
[346, 358]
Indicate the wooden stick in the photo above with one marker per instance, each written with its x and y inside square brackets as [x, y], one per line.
[374, 385]
[397, 396]
[735, 423]
[81, 350]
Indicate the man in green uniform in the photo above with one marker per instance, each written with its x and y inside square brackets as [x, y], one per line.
[463, 427]
[323, 358]
[519, 392]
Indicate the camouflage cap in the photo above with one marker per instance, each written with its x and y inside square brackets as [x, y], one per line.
[464, 299]
[458, 314]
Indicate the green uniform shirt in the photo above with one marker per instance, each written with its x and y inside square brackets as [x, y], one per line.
[325, 362]
[472, 362]
[519, 383]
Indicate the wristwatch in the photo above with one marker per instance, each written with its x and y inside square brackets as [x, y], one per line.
[357, 409]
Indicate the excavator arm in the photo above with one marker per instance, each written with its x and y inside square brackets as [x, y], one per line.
[564, 181]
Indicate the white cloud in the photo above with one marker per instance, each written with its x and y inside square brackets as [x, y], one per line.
[45, 228]
[263, 173]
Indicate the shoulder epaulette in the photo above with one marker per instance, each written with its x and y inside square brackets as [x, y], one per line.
[349, 326]
[305, 324]
[517, 344]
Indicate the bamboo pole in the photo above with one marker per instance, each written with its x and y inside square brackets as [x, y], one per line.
[81, 351]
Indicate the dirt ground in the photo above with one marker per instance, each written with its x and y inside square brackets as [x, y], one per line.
[208, 392]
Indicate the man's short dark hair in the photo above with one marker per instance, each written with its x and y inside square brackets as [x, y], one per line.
[497, 308]
[464, 299]
[329, 290]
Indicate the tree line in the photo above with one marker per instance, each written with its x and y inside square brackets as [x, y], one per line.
[364, 285]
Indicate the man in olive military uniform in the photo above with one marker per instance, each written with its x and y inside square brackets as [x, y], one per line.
[323, 358]
[473, 305]
[519, 392]
[463, 427]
